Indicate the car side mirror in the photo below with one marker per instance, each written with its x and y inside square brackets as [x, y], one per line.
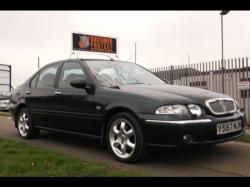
[81, 84]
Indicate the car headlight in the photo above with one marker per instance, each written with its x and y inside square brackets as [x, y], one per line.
[195, 110]
[172, 109]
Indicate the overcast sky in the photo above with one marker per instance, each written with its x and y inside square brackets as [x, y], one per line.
[163, 37]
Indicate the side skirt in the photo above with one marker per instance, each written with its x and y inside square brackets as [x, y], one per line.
[69, 132]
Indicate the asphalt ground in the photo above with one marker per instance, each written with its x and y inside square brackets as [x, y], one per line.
[226, 159]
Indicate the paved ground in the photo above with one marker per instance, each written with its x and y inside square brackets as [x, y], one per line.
[228, 159]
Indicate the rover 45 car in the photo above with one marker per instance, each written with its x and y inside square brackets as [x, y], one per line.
[124, 106]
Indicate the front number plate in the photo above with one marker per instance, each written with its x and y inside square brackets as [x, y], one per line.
[224, 128]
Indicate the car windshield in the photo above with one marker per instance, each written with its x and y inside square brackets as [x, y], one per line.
[115, 73]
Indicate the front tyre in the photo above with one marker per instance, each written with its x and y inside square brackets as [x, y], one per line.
[24, 125]
[125, 138]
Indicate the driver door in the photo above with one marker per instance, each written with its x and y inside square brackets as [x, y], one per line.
[75, 108]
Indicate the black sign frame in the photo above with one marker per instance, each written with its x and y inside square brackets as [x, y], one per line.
[93, 43]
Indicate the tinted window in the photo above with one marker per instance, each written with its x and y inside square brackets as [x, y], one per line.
[33, 82]
[47, 77]
[70, 71]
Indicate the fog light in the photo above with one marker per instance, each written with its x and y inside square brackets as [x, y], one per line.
[187, 138]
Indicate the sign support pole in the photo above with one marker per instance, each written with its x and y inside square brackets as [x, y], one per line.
[38, 62]
[135, 52]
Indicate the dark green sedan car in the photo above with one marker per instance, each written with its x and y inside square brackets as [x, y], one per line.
[122, 105]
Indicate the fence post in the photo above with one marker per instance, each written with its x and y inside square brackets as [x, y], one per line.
[248, 93]
[185, 70]
[172, 74]
[10, 78]
[243, 78]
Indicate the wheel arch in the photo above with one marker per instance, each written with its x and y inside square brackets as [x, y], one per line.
[109, 115]
[19, 107]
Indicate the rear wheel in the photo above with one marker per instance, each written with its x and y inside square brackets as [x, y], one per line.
[24, 125]
[125, 138]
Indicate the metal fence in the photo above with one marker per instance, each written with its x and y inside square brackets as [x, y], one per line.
[232, 74]
[5, 80]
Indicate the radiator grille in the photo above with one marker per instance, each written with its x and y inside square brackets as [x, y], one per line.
[220, 106]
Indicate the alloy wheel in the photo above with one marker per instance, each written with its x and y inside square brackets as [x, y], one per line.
[23, 126]
[122, 138]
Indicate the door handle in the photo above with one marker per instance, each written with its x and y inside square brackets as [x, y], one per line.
[57, 92]
[28, 92]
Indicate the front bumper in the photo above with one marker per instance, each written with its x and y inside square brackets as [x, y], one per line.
[170, 133]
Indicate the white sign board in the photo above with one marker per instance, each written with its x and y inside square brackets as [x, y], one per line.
[244, 85]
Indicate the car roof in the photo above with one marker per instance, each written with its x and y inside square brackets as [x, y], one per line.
[75, 60]
[82, 60]
[91, 59]
[95, 59]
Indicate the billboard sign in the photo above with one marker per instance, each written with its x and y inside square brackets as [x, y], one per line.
[91, 43]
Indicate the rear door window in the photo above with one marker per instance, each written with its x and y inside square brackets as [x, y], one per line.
[47, 77]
